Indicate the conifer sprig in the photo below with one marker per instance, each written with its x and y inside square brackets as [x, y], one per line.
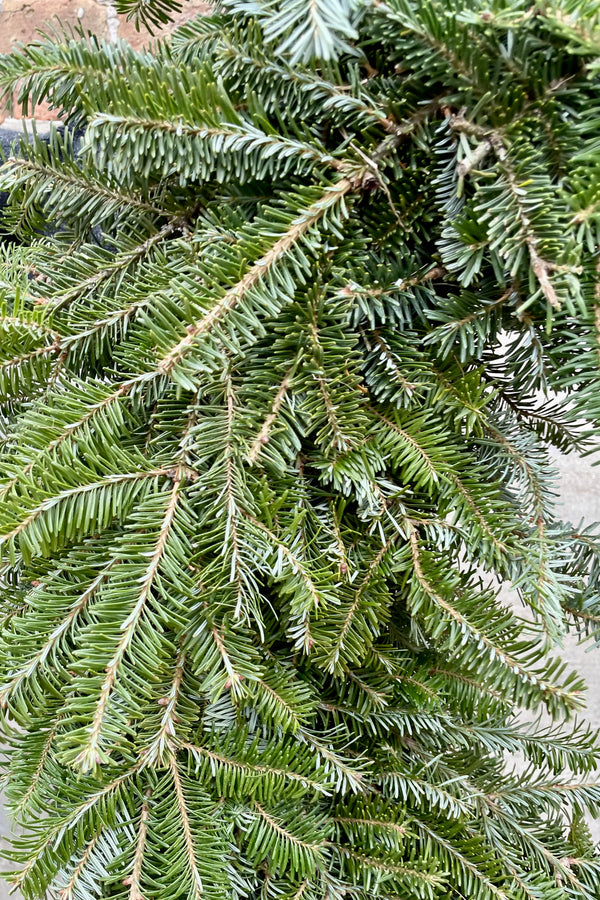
[299, 305]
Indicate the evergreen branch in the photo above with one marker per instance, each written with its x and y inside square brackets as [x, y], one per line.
[412, 442]
[80, 490]
[463, 861]
[581, 614]
[541, 267]
[339, 541]
[60, 175]
[379, 699]
[135, 892]
[301, 890]
[17, 361]
[290, 711]
[68, 892]
[387, 867]
[230, 138]
[432, 794]
[267, 455]
[295, 563]
[330, 95]
[353, 290]
[165, 738]
[262, 437]
[77, 813]
[259, 270]
[525, 466]
[479, 686]
[231, 532]
[248, 768]
[338, 440]
[71, 430]
[307, 29]
[119, 263]
[333, 653]
[551, 788]
[353, 778]
[148, 14]
[400, 132]
[494, 650]
[33, 326]
[21, 806]
[285, 834]
[400, 830]
[28, 669]
[391, 364]
[89, 757]
[478, 514]
[557, 865]
[188, 836]
[234, 678]
[425, 35]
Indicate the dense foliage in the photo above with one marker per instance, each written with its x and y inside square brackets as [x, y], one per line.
[285, 349]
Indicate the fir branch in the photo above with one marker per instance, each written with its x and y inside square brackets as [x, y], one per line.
[295, 563]
[400, 830]
[71, 820]
[32, 665]
[70, 432]
[197, 887]
[334, 652]
[413, 443]
[35, 327]
[541, 267]
[248, 768]
[35, 168]
[286, 835]
[21, 807]
[262, 437]
[165, 739]
[18, 361]
[463, 861]
[556, 864]
[135, 892]
[78, 491]
[230, 299]
[387, 867]
[232, 512]
[494, 650]
[231, 138]
[118, 264]
[348, 777]
[69, 891]
[89, 757]
[479, 515]
[301, 890]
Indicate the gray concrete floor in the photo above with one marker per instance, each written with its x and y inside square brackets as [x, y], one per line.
[579, 499]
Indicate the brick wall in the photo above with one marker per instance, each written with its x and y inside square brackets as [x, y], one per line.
[21, 19]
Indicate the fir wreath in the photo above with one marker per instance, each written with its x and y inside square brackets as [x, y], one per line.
[284, 350]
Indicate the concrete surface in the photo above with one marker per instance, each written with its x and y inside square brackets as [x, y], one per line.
[579, 498]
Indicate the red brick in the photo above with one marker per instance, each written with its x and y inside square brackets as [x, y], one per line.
[20, 20]
[137, 39]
